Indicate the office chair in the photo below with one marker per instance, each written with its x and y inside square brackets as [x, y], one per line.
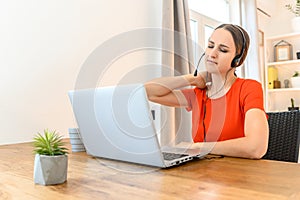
[284, 136]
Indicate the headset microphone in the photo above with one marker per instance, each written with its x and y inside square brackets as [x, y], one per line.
[196, 71]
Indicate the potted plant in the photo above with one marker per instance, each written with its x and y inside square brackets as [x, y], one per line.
[293, 108]
[296, 11]
[295, 80]
[51, 160]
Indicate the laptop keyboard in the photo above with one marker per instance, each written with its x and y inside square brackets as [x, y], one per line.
[172, 156]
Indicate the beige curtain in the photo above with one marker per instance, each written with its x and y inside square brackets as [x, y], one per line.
[177, 60]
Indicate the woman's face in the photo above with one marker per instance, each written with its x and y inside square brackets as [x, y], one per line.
[220, 52]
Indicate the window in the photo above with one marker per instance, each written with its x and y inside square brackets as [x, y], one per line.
[205, 16]
[215, 9]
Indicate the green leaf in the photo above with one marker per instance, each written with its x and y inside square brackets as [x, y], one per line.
[50, 144]
[296, 74]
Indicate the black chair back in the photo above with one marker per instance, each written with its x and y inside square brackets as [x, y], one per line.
[284, 136]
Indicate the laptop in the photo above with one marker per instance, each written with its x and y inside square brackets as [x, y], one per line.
[115, 122]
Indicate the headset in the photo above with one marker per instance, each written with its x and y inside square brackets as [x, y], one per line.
[236, 60]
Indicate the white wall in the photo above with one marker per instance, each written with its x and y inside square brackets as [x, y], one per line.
[42, 47]
[280, 20]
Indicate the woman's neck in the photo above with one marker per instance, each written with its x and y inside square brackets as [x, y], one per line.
[220, 84]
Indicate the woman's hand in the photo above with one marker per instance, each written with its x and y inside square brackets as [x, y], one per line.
[197, 81]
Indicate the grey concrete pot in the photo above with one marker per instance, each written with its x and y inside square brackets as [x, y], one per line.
[50, 170]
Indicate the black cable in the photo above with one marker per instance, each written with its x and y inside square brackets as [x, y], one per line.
[203, 123]
[204, 106]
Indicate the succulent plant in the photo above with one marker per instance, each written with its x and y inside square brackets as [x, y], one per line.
[49, 144]
[296, 74]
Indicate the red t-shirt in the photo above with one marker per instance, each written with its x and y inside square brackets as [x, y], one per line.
[223, 118]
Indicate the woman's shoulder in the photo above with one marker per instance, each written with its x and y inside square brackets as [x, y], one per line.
[246, 87]
[243, 82]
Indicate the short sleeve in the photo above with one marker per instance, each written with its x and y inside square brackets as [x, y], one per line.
[251, 95]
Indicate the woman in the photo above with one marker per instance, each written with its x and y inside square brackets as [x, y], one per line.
[229, 110]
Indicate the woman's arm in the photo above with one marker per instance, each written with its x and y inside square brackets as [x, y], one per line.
[165, 90]
[255, 143]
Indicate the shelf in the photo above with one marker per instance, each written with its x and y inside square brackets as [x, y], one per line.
[288, 62]
[284, 90]
[279, 98]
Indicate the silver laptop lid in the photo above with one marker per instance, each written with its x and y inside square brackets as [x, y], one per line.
[115, 122]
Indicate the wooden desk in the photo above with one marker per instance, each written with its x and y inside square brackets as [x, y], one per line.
[90, 178]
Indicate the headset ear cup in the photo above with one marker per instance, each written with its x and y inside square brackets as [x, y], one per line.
[237, 59]
[235, 62]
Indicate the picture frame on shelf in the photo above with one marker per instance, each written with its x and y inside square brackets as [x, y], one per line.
[283, 51]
